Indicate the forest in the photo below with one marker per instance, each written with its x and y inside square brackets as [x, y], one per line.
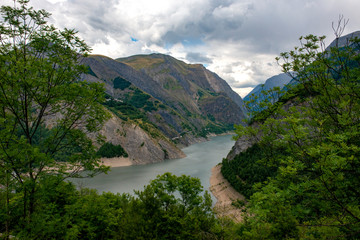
[301, 177]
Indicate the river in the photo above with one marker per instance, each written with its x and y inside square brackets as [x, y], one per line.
[199, 160]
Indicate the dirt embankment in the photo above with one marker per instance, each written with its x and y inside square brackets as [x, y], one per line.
[225, 195]
[116, 162]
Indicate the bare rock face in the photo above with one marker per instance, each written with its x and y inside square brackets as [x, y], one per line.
[241, 145]
[141, 148]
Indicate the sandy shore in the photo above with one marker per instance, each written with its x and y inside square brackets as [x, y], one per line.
[116, 162]
[225, 195]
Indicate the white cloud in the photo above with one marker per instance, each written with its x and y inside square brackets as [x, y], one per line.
[237, 39]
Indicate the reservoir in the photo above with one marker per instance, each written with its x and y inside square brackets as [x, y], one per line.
[199, 160]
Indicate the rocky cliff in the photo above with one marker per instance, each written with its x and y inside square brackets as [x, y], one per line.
[159, 104]
[141, 147]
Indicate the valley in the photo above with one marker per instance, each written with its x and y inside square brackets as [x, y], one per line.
[159, 104]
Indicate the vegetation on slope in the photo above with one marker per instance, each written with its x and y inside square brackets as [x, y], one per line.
[248, 169]
[110, 150]
[46, 112]
[191, 93]
[169, 207]
[312, 189]
[40, 88]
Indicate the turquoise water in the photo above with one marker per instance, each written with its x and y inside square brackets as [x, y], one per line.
[201, 157]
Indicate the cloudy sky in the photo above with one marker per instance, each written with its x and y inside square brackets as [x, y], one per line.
[237, 39]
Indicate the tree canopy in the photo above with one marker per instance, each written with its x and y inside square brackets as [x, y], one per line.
[46, 112]
[312, 139]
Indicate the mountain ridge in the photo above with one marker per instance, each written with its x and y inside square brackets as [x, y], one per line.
[175, 103]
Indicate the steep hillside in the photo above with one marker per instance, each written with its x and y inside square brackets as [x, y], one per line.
[142, 147]
[188, 84]
[344, 40]
[298, 163]
[187, 96]
[168, 99]
[283, 80]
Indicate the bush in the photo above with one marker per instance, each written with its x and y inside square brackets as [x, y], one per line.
[110, 150]
[120, 83]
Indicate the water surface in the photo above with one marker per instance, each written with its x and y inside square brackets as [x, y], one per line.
[201, 157]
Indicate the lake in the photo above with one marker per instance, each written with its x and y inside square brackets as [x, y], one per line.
[201, 157]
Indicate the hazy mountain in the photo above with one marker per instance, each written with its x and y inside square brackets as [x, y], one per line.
[280, 80]
[343, 40]
[283, 80]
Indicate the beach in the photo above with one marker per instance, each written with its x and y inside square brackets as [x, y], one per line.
[225, 195]
[116, 162]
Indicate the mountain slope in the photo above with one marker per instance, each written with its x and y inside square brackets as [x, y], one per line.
[275, 81]
[343, 40]
[174, 103]
[300, 154]
[186, 83]
[257, 94]
[283, 79]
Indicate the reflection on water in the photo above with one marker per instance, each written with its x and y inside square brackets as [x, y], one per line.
[201, 157]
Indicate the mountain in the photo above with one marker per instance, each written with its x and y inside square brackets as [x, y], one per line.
[300, 151]
[169, 103]
[343, 40]
[186, 83]
[283, 79]
[257, 94]
[275, 81]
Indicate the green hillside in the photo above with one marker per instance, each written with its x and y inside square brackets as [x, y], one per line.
[302, 176]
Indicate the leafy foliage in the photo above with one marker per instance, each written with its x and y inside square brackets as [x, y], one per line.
[247, 169]
[314, 141]
[170, 207]
[91, 72]
[139, 99]
[110, 150]
[39, 86]
[120, 83]
[124, 110]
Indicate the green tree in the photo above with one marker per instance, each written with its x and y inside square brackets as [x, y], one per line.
[110, 150]
[315, 192]
[172, 208]
[45, 109]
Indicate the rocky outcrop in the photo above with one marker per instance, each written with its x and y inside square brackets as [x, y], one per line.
[160, 104]
[240, 145]
[184, 101]
[140, 146]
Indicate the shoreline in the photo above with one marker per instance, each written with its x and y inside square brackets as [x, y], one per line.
[116, 162]
[125, 162]
[225, 195]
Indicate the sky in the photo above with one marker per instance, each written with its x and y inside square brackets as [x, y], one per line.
[237, 39]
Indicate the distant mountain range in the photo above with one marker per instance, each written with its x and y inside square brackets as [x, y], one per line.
[283, 80]
[172, 103]
[275, 81]
[344, 40]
